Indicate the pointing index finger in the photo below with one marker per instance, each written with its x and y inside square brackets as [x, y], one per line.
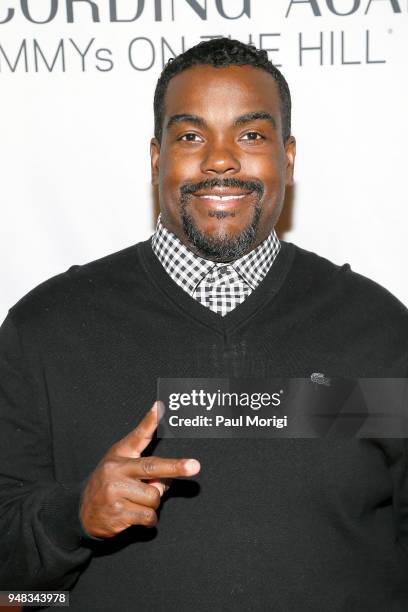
[153, 468]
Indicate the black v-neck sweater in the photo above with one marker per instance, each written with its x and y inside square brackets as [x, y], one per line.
[286, 525]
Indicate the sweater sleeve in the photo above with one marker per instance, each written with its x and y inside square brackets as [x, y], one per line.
[43, 545]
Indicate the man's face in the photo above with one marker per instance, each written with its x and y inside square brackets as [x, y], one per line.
[222, 165]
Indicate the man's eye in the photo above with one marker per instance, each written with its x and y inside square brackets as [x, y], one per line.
[190, 137]
[252, 136]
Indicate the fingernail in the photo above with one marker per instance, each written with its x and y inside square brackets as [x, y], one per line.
[193, 466]
[159, 486]
[160, 408]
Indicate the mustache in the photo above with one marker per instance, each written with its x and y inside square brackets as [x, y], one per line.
[191, 188]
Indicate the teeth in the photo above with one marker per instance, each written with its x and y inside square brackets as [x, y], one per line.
[223, 198]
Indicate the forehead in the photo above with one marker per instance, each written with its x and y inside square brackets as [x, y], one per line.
[222, 93]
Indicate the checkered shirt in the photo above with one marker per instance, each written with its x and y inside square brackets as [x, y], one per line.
[218, 286]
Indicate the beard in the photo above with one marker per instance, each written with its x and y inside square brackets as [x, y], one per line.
[225, 248]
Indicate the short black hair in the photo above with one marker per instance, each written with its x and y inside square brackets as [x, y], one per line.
[221, 53]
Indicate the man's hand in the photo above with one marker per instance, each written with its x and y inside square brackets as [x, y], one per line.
[116, 494]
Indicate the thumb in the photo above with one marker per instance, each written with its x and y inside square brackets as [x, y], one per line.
[135, 442]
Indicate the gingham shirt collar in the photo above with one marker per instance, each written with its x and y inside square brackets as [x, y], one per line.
[188, 269]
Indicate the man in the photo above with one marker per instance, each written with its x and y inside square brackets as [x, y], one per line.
[288, 524]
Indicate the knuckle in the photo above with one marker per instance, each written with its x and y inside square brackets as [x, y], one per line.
[155, 497]
[148, 517]
[108, 467]
[177, 467]
[110, 491]
[116, 507]
[148, 466]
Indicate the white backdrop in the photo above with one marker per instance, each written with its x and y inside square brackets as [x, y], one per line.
[76, 119]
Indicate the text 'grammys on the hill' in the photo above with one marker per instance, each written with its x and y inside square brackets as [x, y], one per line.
[105, 35]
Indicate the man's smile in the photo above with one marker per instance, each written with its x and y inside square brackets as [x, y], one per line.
[222, 194]
[221, 199]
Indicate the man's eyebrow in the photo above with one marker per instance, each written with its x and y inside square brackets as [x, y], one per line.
[187, 118]
[242, 119]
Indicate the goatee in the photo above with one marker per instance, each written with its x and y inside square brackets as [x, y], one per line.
[226, 248]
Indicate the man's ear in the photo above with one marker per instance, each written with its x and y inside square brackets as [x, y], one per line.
[154, 158]
[290, 153]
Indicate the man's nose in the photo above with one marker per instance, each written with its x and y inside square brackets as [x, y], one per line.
[220, 159]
